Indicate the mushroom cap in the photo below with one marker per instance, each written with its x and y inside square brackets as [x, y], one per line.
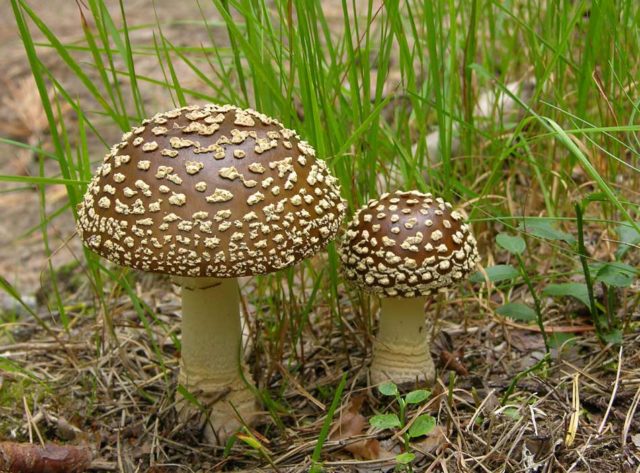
[211, 190]
[407, 244]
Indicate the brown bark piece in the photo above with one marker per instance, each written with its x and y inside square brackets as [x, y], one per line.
[52, 458]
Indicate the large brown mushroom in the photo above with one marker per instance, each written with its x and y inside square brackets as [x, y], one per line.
[403, 247]
[207, 194]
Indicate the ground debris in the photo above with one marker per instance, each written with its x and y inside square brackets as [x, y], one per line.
[353, 424]
[50, 458]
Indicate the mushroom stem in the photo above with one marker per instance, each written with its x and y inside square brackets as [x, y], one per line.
[211, 366]
[401, 349]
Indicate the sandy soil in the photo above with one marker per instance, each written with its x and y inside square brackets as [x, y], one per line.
[23, 260]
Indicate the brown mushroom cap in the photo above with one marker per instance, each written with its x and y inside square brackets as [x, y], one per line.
[407, 244]
[210, 191]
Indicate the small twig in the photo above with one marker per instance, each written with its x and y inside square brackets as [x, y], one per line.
[613, 393]
[549, 329]
[32, 423]
[478, 410]
[300, 389]
[39, 346]
[630, 413]
[575, 412]
[103, 465]
[533, 420]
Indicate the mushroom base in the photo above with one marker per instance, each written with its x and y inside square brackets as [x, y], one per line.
[211, 366]
[222, 409]
[401, 350]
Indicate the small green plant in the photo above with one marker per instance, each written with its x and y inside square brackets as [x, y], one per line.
[418, 426]
[610, 275]
[516, 246]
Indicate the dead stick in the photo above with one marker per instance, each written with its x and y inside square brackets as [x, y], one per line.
[551, 329]
[52, 458]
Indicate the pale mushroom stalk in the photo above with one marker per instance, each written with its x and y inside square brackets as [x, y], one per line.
[211, 366]
[401, 348]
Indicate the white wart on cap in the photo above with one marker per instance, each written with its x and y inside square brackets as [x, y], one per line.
[210, 191]
[407, 244]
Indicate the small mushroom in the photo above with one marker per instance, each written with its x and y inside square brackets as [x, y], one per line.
[208, 194]
[402, 247]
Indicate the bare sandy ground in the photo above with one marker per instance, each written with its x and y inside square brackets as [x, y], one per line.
[23, 258]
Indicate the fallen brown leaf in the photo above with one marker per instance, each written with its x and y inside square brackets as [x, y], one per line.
[352, 424]
[436, 438]
[453, 361]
